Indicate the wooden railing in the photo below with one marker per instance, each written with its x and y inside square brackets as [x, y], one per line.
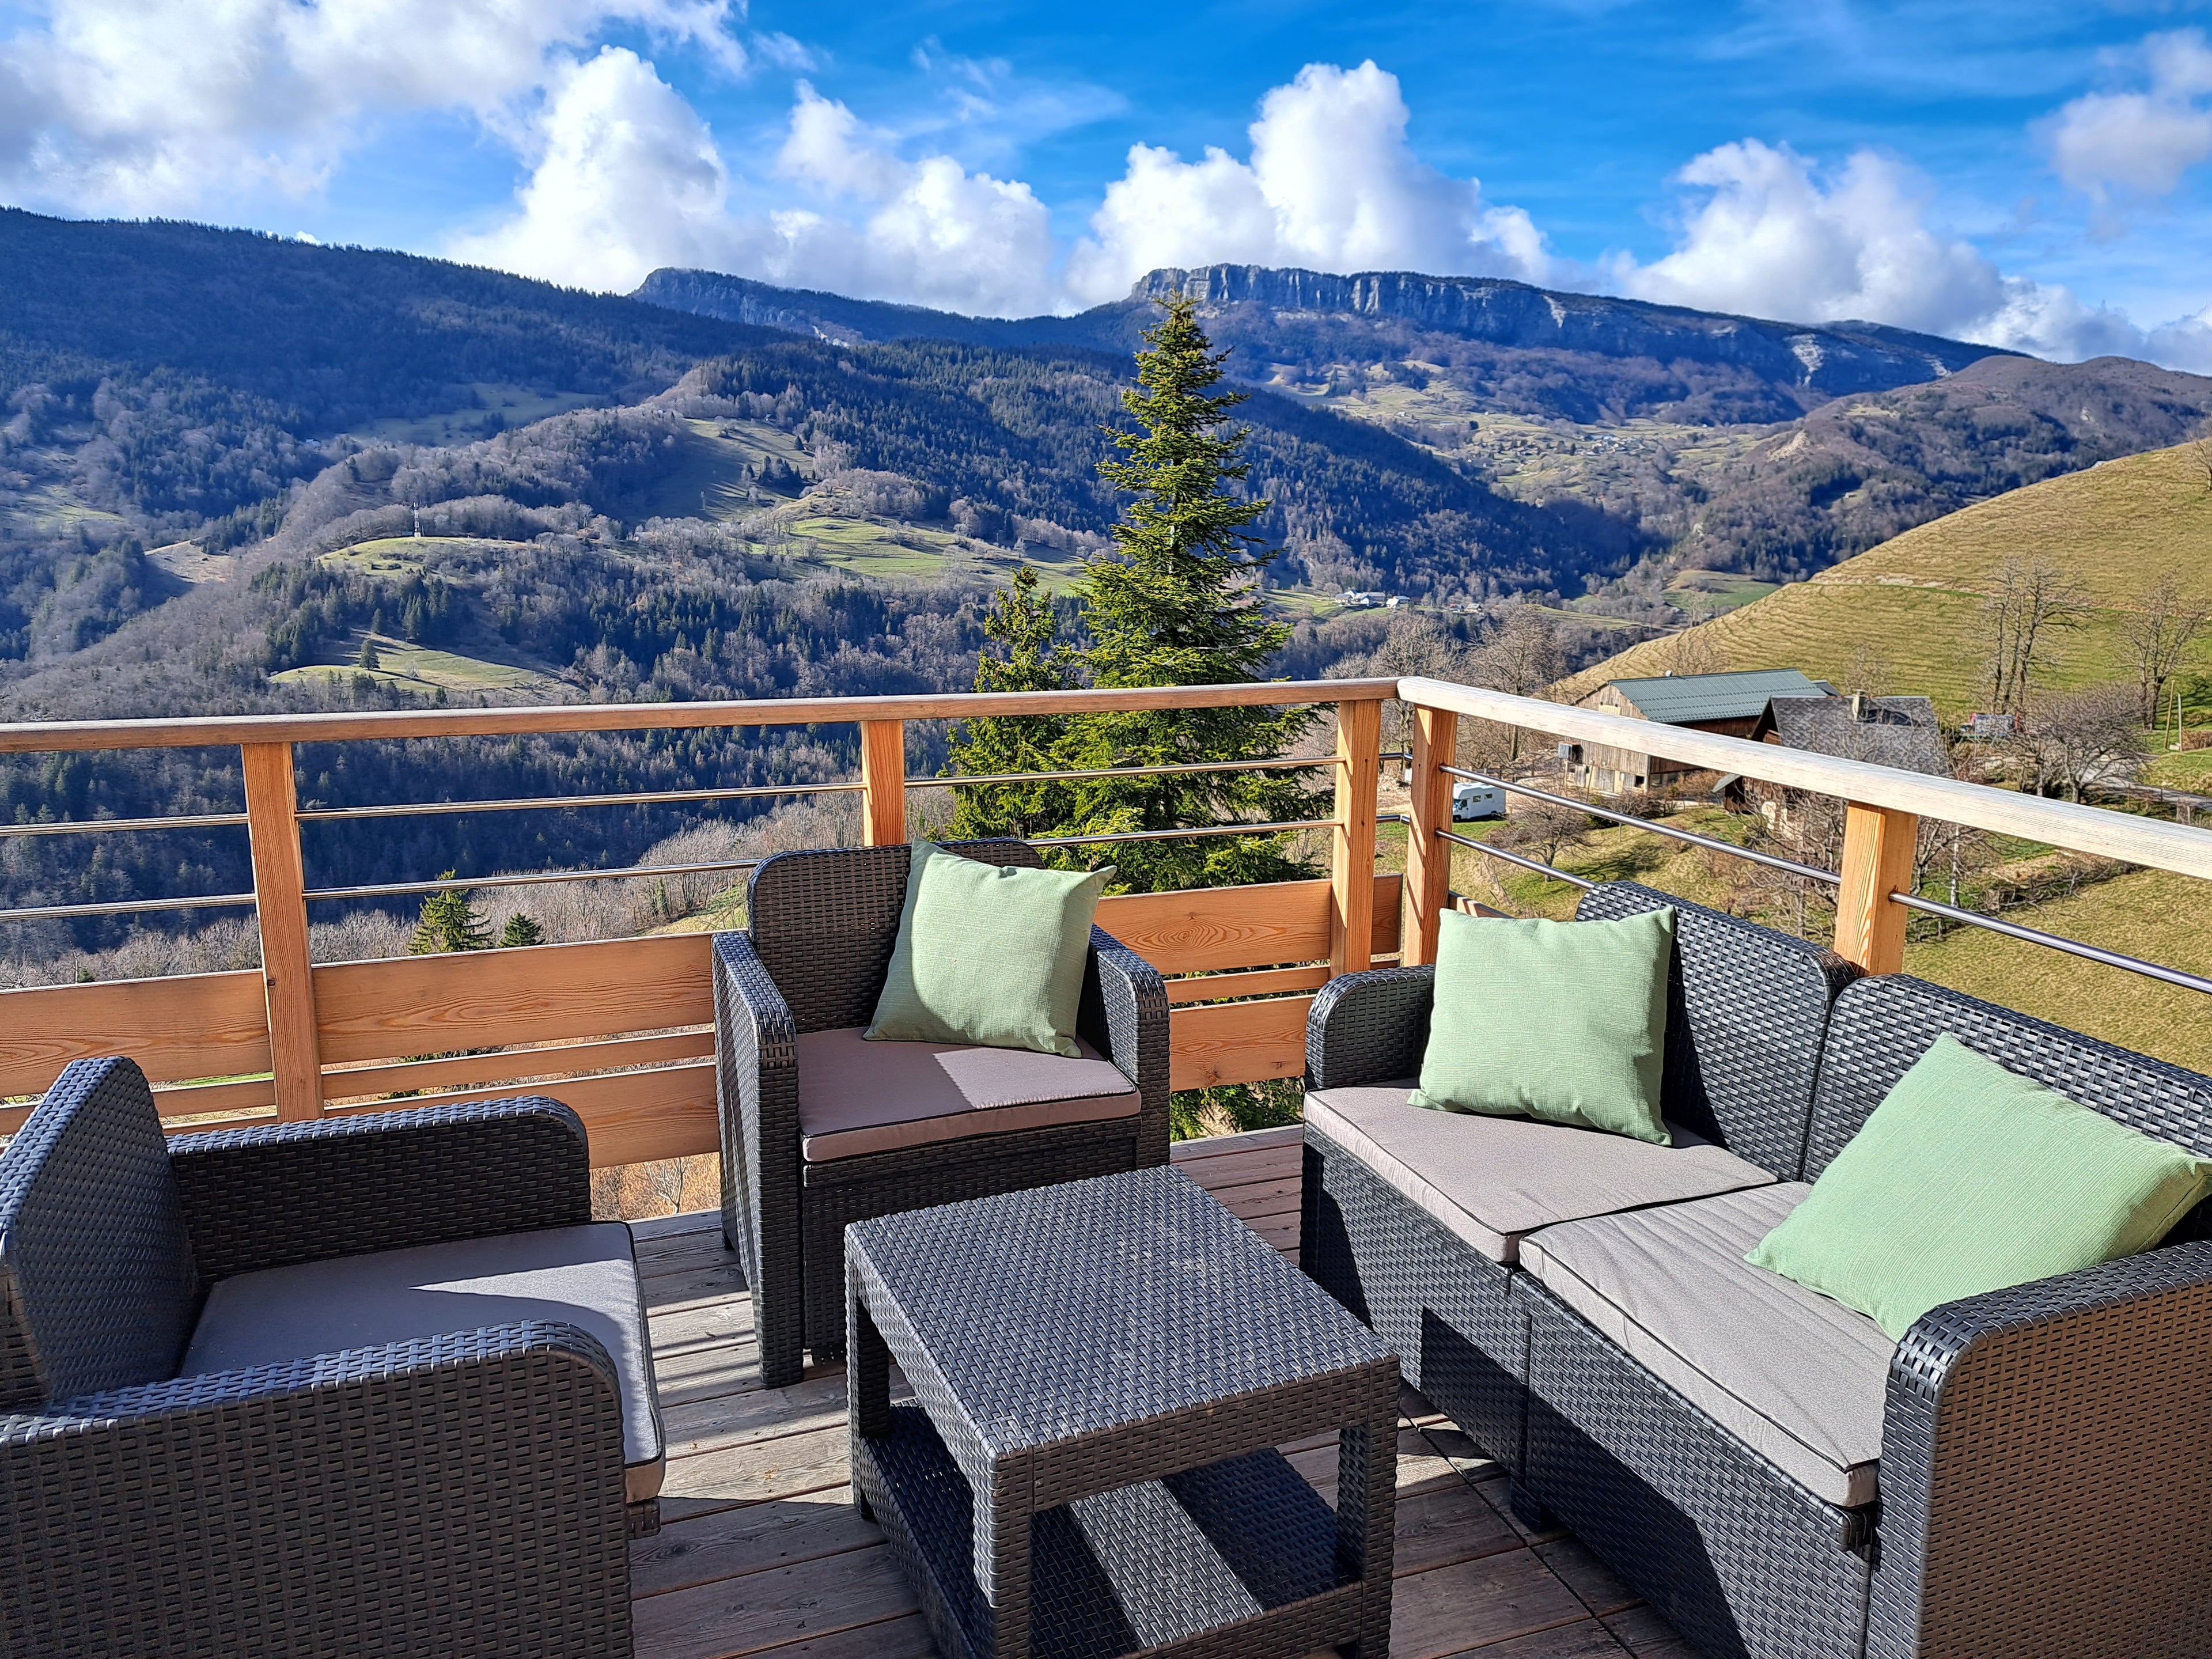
[621, 1029]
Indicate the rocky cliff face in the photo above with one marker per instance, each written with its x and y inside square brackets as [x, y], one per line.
[1830, 360]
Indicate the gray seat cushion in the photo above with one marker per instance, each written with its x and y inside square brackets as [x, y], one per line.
[857, 1097]
[583, 1276]
[1493, 1180]
[1800, 1378]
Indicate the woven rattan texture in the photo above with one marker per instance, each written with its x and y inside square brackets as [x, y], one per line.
[1066, 1344]
[350, 1504]
[1096, 1265]
[1369, 1028]
[1736, 1556]
[1439, 1306]
[2047, 1470]
[272, 1196]
[1882, 1026]
[794, 972]
[824, 922]
[96, 1280]
[1746, 1010]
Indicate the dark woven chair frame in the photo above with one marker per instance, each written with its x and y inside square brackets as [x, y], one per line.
[1747, 1007]
[2003, 1412]
[351, 1503]
[821, 928]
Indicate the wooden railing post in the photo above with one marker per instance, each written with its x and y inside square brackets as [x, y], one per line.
[883, 781]
[1351, 868]
[1428, 860]
[272, 828]
[1878, 847]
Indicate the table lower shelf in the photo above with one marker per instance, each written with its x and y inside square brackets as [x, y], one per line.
[1239, 1558]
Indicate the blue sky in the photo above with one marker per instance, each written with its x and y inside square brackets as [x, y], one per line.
[2035, 173]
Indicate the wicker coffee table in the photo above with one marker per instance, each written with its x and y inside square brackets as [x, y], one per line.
[1102, 1371]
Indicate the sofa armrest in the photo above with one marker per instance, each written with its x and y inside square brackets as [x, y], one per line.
[2045, 1457]
[291, 1509]
[1124, 1015]
[1369, 1028]
[756, 1093]
[286, 1193]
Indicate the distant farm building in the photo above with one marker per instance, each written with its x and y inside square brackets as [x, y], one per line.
[1900, 732]
[1729, 704]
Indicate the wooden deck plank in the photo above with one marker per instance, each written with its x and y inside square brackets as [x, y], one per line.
[760, 1552]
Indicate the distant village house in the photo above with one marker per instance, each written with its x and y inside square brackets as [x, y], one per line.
[1730, 704]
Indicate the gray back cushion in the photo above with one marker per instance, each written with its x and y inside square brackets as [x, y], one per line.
[824, 922]
[1882, 1026]
[1746, 1010]
[96, 1278]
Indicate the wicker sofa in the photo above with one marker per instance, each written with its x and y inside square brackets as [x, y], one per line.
[2028, 1473]
[374, 1384]
[820, 1128]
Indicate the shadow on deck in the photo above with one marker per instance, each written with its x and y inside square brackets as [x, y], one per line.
[760, 1552]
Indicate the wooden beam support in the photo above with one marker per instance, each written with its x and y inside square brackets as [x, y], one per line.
[1351, 868]
[1428, 860]
[272, 828]
[883, 779]
[1878, 847]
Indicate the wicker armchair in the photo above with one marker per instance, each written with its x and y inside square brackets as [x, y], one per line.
[819, 1129]
[470, 1489]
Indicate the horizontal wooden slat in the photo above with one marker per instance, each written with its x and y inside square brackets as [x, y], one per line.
[633, 1117]
[1213, 929]
[1259, 982]
[201, 731]
[189, 1025]
[495, 999]
[1237, 1042]
[249, 1094]
[1251, 1140]
[564, 1060]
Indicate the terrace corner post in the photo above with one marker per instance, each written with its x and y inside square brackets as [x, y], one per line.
[1878, 850]
[883, 783]
[1352, 868]
[272, 828]
[1428, 857]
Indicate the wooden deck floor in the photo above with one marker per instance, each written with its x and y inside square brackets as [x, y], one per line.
[760, 1551]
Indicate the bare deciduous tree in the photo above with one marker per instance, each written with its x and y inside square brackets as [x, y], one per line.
[2036, 601]
[2159, 633]
[1520, 654]
[2074, 738]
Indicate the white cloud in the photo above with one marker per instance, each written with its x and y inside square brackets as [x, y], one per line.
[1332, 186]
[627, 177]
[2140, 143]
[1765, 234]
[2185, 343]
[148, 106]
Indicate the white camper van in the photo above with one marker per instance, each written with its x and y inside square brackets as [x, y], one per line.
[1476, 800]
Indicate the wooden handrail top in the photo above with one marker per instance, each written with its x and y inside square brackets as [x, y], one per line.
[2149, 841]
[205, 731]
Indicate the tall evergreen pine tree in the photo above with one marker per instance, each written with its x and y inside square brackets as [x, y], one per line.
[448, 922]
[1176, 604]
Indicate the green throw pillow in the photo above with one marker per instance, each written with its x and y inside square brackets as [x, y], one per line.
[1565, 1022]
[988, 954]
[1968, 1178]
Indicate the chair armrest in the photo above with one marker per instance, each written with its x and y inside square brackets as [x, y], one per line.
[1124, 1015]
[1369, 1028]
[757, 1095]
[2045, 1456]
[286, 1193]
[292, 1508]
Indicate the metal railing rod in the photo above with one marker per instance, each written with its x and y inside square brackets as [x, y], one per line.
[1541, 869]
[399, 889]
[1123, 772]
[2054, 941]
[1175, 835]
[625, 798]
[1810, 872]
[83, 826]
[56, 912]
